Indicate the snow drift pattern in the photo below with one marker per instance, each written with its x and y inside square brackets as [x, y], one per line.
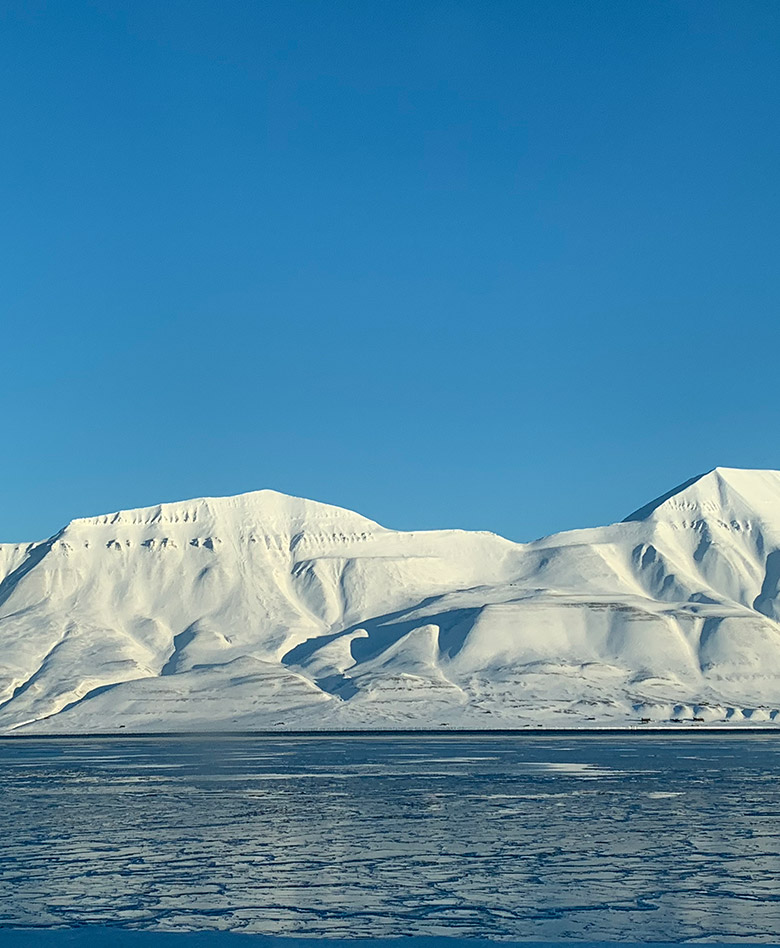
[266, 611]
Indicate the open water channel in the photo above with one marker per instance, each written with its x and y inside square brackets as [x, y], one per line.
[538, 837]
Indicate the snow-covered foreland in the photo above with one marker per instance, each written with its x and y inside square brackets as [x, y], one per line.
[265, 611]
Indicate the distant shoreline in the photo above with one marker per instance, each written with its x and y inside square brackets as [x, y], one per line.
[539, 732]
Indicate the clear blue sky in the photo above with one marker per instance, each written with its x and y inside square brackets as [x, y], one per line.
[497, 265]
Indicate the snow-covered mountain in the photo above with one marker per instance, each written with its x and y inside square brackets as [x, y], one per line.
[268, 611]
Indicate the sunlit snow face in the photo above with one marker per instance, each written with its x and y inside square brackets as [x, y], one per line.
[269, 612]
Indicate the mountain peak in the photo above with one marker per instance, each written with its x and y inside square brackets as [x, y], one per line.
[256, 508]
[726, 492]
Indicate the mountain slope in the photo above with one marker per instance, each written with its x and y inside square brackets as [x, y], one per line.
[265, 610]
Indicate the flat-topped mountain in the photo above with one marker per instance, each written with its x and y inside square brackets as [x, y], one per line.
[268, 611]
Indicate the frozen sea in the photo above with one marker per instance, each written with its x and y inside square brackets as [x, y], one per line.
[631, 838]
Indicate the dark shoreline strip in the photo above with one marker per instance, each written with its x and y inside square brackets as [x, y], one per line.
[539, 732]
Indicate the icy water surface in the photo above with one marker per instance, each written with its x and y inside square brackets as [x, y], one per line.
[635, 838]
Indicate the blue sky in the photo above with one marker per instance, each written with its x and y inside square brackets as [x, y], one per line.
[494, 265]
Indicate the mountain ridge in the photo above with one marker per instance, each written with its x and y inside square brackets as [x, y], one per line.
[266, 610]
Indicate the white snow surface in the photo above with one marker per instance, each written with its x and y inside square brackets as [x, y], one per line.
[265, 611]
